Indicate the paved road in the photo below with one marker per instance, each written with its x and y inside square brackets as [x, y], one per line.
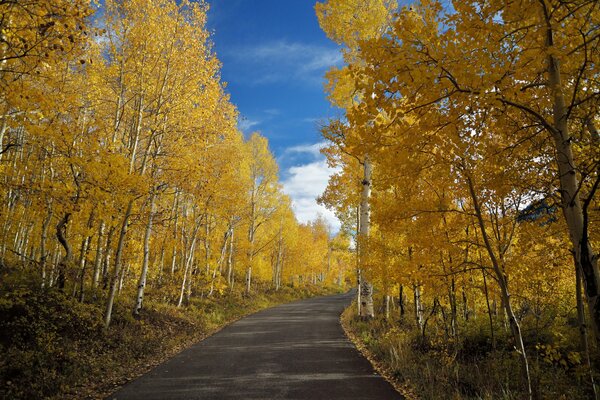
[293, 351]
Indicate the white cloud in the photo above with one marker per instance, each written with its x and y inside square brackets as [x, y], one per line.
[280, 61]
[312, 149]
[312, 120]
[272, 111]
[304, 184]
[245, 124]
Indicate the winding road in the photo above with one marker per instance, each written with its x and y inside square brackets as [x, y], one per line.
[293, 351]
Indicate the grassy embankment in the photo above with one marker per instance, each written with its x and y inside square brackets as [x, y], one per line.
[52, 346]
[471, 367]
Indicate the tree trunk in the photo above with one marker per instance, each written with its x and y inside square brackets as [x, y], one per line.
[107, 257]
[144, 272]
[453, 309]
[575, 215]
[3, 131]
[217, 267]
[61, 233]
[43, 250]
[188, 265]
[583, 331]
[251, 230]
[124, 273]
[279, 260]
[487, 302]
[230, 260]
[502, 282]
[248, 277]
[174, 254]
[85, 247]
[366, 288]
[136, 133]
[117, 268]
[98, 258]
[401, 301]
[387, 306]
[418, 307]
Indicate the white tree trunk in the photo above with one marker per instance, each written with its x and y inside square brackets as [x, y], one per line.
[418, 307]
[230, 260]
[188, 265]
[366, 288]
[143, 274]
[98, 259]
[575, 215]
[220, 262]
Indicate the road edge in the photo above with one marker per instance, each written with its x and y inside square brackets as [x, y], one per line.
[385, 373]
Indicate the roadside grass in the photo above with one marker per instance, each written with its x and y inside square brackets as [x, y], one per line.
[54, 347]
[435, 368]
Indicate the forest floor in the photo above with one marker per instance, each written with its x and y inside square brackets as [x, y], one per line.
[470, 367]
[54, 347]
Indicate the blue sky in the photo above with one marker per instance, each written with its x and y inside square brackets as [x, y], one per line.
[274, 57]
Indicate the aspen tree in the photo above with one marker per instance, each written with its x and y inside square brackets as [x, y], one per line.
[263, 175]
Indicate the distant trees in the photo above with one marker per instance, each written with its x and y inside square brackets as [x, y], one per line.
[123, 171]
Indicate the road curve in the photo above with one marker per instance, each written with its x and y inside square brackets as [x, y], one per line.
[293, 351]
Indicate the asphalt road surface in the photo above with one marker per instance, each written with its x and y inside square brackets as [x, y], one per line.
[293, 351]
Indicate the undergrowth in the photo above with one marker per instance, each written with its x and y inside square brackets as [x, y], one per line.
[470, 366]
[54, 347]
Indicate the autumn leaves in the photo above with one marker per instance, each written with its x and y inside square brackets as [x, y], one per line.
[126, 173]
[469, 116]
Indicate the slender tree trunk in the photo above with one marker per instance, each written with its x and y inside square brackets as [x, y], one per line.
[98, 259]
[85, 248]
[251, 231]
[137, 131]
[176, 211]
[107, 257]
[487, 302]
[230, 260]
[465, 304]
[61, 235]
[207, 248]
[54, 266]
[83, 255]
[161, 265]
[124, 274]
[358, 272]
[217, 267]
[453, 309]
[114, 283]
[387, 306]
[434, 308]
[248, 277]
[583, 331]
[279, 260]
[418, 307]
[3, 131]
[188, 265]
[144, 272]
[281, 264]
[502, 282]
[43, 240]
[401, 302]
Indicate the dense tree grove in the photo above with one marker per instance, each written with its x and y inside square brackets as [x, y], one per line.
[123, 171]
[479, 120]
